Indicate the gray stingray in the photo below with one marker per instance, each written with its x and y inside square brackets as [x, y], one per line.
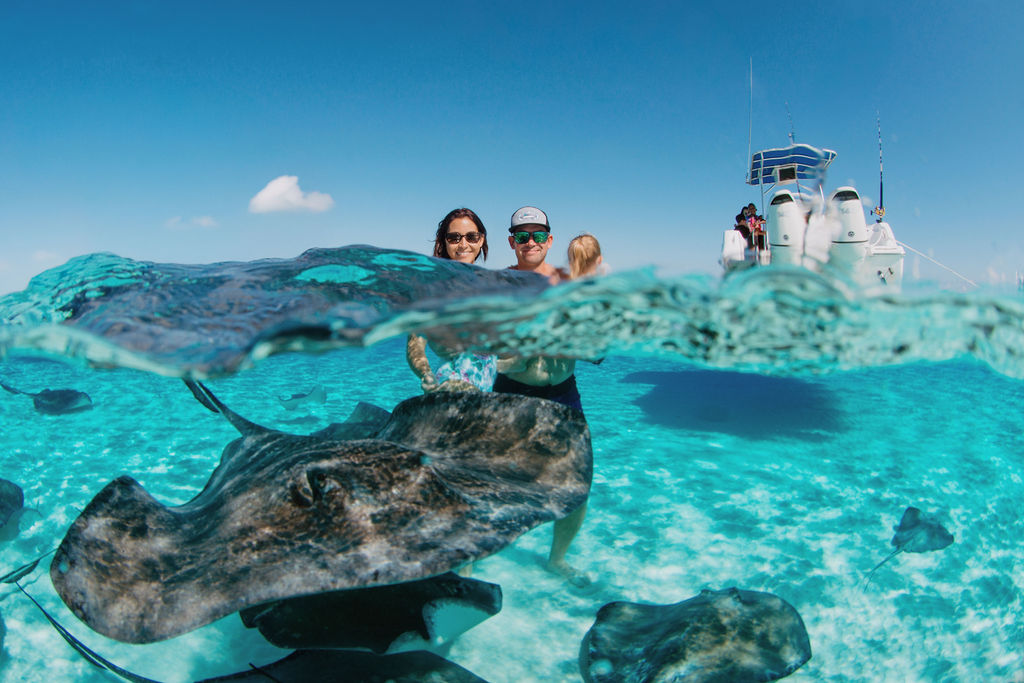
[350, 666]
[450, 478]
[12, 499]
[417, 615]
[727, 635]
[56, 401]
[315, 395]
[12, 509]
[916, 533]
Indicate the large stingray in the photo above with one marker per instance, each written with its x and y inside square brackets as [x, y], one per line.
[417, 615]
[450, 478]
[334, 666]
[727, 635]
[916, 533]
[56, 401]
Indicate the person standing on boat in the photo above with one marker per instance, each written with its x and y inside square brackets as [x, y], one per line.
[461, 236]
[755, 224]
[545, 377]
[742, 226]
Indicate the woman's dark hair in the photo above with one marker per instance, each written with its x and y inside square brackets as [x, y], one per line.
[440, 251]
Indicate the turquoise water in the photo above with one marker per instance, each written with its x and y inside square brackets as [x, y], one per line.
[787, 477]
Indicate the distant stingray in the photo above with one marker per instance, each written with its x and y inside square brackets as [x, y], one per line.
[56, 401]
[417, 615]
[12, 502]
[727, 635]
[12, 510]
[315, 395]
[331, 666]
[450, 478]
[12, 498]
[915, 534]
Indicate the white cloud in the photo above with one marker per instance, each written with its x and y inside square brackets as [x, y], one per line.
[283, 194]
[172, 222]
[205, 222]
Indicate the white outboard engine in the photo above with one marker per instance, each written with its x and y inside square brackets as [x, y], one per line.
[786, 225]
[846, 206]
[850, 236]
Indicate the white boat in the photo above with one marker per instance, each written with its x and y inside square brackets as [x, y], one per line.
[802, 227]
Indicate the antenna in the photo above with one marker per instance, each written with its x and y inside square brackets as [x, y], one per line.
[880, 209]
[750, 117]
[792, 131]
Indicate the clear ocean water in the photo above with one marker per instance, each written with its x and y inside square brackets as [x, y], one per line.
[761, 434]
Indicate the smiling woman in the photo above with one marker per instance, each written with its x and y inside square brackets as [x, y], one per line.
[461, 236]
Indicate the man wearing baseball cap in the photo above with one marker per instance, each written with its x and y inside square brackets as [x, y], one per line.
[543, 376]
[530, 237]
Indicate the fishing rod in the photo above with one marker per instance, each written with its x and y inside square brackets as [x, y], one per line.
[880, 209]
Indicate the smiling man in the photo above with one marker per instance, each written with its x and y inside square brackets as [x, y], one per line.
[530, 237]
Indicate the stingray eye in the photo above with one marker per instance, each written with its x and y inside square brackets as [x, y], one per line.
[299, 497]
[319, 483]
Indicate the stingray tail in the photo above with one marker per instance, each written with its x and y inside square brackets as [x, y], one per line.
[11, 389]
[212, 403]
[871, 573]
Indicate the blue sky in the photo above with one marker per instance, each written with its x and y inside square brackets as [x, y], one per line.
[148, 128]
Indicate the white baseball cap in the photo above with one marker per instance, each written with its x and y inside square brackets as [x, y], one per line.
[529, 215]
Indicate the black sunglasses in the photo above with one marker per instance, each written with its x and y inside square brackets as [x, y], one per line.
[539, 236]
[471, 237]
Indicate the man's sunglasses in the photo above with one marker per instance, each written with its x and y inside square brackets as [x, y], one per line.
[471, 237]
[540, 236]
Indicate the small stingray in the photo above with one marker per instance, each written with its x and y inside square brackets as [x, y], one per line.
[915, 534]
[449, 479]
[727, 635]
[418, 615]
[56, 401]
[315, 395]
[332, 666]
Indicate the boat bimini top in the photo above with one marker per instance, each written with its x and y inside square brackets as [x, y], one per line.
[789, 165]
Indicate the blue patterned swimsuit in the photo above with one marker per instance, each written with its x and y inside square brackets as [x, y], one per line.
[475, 368]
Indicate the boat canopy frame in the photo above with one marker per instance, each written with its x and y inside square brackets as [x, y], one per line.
[792, 164]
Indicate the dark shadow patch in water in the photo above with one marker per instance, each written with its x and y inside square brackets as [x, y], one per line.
[745, 405]
[16, 358]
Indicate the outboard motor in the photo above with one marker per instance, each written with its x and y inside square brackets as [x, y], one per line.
[786, 225]
[850, 231]
[845, 204]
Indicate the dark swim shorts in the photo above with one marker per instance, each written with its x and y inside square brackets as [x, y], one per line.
[564, 392]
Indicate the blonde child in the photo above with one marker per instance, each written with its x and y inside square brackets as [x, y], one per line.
[584, 256]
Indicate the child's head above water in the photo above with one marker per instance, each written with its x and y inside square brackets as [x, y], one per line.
[584, 255]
